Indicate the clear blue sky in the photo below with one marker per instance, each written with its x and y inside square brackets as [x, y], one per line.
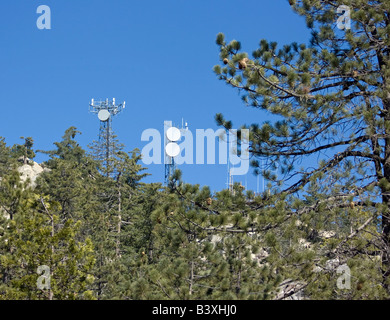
[156, 55]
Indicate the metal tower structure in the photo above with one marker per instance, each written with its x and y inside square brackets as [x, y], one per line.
[171, 148]
[168, 160]
[105, 111]
[229, 182]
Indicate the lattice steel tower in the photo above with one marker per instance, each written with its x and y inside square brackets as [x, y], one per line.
[105, 110]
[171, 149]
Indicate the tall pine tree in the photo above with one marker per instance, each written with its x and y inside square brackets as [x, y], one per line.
[333, 101]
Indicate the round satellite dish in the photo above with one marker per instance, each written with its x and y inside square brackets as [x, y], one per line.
[173, 134]
[103, 115]
[172, 149]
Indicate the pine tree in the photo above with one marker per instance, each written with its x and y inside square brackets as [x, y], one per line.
[332, 99]
[72, 180]
[198, 253]
[33, 237]
[24, 150]
[119, 197]
[106, 153]
[6, 161]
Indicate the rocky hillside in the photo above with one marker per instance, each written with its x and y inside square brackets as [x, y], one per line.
[31, 171]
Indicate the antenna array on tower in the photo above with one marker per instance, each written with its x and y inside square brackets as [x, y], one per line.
[171, 149]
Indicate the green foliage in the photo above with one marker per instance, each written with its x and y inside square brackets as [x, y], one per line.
[105, 234]
[333, 99]
[35, 237]
[25, 150]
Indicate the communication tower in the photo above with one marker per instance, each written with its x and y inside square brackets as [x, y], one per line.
[105, 111]
[171, 149]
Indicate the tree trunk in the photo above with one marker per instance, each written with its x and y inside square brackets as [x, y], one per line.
[386, 200]
[238, 286]
[52, 252]
[119, 226]
[191, 277]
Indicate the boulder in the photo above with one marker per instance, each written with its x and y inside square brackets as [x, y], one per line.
[30, 171]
